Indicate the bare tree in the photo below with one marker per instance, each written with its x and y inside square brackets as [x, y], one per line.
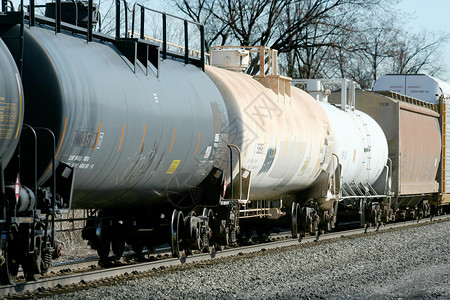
[359, 39]
[308, 28]
[107, 16]
[205, 12]
[418, 53]
[383, 47]
[366, 46]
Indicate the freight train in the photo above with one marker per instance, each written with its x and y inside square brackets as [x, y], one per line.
[161, 148]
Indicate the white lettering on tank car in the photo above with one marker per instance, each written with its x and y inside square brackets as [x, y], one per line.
[75, 158]
[155, 95]
[81, 165]
[100, 140]
[208, 152]
[259, 148]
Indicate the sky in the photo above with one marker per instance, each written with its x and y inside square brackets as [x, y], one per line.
[432, 15]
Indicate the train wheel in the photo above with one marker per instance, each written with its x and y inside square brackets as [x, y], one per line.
[31, 269]
[191, 234]
[103, 243]
[294, 220]
[104, 247]
[118, 247]
[209, 242]
[32, 266]
[176, 233]
[10, 267]
[223, 239]
[138, 248]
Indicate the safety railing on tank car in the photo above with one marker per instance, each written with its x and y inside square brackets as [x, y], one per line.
[142, 9]
[138, 9]
[192, 52]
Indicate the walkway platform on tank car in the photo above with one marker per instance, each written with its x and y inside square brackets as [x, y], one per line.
[135, 49]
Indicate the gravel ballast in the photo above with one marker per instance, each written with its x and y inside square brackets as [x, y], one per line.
[411, 263]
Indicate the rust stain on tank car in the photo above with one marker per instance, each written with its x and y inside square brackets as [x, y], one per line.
[143, 138]
[121, 137]
[173, 139]
[300, 150]
[276, 144]
[198, 142]
[62, 138]
[19, 123]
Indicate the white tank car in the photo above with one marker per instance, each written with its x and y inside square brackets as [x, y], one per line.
[359, 144]
[284, 137]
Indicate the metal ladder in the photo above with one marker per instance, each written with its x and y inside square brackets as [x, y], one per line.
[9, 19]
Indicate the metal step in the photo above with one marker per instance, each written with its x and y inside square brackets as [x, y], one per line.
[138, 50]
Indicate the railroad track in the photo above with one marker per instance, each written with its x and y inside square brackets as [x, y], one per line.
[125, 272]
[89, 262]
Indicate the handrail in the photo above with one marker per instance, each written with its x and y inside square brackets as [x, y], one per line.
[231, 146]
[53, 188]
[59, 24]
[33, 132]
[126, 10]
[142, 10]
[192, 52]
[167, 14]
[90, 15]
[334, 173]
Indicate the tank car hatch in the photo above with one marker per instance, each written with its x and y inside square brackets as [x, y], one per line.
[73, 12]
[230, 59]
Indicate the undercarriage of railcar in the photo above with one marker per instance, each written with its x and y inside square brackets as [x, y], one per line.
[28, 212]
